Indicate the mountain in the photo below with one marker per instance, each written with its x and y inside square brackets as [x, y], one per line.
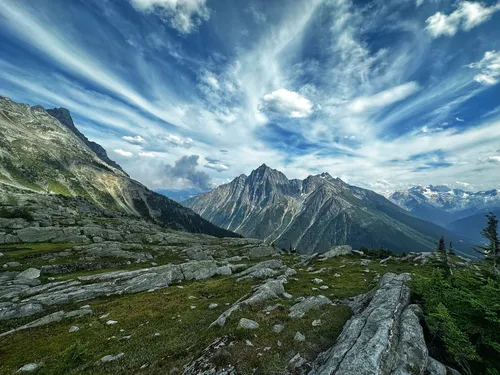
[471, 226]
[41, 153]
[180, 195]
[442, 205]
[64, 117]
[316, 213]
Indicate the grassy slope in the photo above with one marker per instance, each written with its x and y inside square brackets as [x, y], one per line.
[184, 331]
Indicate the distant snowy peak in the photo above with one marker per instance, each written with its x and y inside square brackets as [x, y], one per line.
[444, 197]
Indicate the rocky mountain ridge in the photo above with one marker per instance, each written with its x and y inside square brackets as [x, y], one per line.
[40, 153]
[314, 214]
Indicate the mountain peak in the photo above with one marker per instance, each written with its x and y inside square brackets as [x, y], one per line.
[64, 117]
[265, 172]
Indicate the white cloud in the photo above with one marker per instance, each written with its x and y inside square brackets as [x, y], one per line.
[464, 184]
[465, 17]
[147, 154]
[183, 15]
[490, 159]
[124, 153]
[489, 67]
[175, 140]
[210, 79]
[384, 98]
[459, 119]
[426, 129]
[137, 140]
[287, 103]
[216, 165]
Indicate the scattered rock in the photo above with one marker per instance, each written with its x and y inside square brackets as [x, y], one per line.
[317, 281]
[213, 306]
[28, 367]
[247, 324]
[12, 264]
[317, 322]
[74, 329]
[298, 365]
[385, 260]
[299, 337]
[277, 328]
[111, 322]
[111, 357]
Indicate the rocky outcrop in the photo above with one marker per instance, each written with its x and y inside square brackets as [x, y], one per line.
[51, 318]
[383, 338]
[29, 300]
[303, 305]
[271, 289]
[336, 251]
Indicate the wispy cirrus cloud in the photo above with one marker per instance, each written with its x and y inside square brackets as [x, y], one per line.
[322, 85]
[182, 15]
[384, 98]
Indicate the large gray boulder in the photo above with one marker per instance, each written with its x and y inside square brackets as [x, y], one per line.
[30, 273]
[383, 338]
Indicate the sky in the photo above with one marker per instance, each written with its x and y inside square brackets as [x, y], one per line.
[384, 94]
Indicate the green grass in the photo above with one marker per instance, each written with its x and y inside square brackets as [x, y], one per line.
[58, 188]
[21, 251]
[185, 332]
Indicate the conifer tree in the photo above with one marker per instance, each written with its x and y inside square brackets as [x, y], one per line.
[492, 249]
[442, 260]
[451, 250]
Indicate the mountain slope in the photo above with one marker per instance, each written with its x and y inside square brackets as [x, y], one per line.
[64, 117]
[442, 205]
[471, 225]
[315, 214]
[40, 153]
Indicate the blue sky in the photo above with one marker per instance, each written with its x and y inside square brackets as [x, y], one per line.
[191, 93]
